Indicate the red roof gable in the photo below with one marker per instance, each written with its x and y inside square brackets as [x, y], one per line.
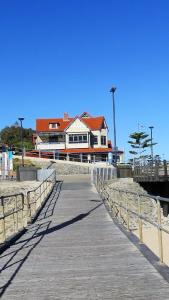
[93, 123]
[42, 125]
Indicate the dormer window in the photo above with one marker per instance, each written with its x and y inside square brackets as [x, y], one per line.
[54, 125]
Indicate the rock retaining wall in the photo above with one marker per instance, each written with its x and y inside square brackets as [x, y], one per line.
[62, 167]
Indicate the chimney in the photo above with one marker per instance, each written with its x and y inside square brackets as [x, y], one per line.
[66, 117]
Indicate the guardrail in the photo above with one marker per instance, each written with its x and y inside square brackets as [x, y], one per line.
[120, 203]
[104, 173]
[36, 196]
[157, 170]
[17, 210]
[59, 155]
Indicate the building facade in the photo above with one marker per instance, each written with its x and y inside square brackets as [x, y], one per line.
[82, 137]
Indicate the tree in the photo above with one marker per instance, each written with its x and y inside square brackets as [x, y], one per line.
[11, 136]
[139, 142]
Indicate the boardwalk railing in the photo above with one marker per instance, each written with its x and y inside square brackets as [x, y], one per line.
[17, 210]
[37, 196]
[131, 210]
[152, 171]
[59, 155]
[99, 174]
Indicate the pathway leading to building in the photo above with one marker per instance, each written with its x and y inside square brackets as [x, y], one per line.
[75, 251]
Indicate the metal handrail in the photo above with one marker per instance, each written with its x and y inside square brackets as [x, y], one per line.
[116, 206]
[44, 190]
[21, 208]
[33, 190]
[15, 210]
[142, 194]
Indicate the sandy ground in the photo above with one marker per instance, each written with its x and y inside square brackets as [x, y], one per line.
[10, 187]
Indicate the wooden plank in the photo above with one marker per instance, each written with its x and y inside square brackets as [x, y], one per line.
[75, 251]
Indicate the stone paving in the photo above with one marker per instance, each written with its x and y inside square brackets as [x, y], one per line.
[75, 251]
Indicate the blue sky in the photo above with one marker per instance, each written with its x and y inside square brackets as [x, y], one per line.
[64, 55]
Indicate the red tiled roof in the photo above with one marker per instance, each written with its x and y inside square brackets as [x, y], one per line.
[42, 125]
[94, 123]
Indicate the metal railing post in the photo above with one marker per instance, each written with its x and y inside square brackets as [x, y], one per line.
[16, 215]
[29, 214]
[127, 214]
[22, 216]
[3, 220]
[140, 223]
[160, 239]
[120, 215]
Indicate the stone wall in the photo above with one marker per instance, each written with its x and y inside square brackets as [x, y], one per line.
[62, 167]
[68, 168]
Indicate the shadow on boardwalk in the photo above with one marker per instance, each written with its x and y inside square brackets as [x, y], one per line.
[18, 256]
[62, 225]
[35, 232]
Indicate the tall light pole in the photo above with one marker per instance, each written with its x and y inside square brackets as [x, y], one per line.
[21, 120]
[151, 129]
[113, 89]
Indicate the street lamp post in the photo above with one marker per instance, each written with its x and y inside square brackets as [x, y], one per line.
[151, 129]
[113, 89]
[21, 120]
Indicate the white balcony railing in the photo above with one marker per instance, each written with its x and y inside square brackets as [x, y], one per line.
[50, 146]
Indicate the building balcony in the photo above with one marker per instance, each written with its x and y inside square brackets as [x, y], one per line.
[50, 146]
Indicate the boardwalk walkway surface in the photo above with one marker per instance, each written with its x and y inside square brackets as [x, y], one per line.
[75, 251]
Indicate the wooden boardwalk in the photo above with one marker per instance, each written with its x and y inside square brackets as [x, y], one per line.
[75, 251]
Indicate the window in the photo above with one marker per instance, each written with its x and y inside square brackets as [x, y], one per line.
[103, 140]
[95, 139]
[117, 158]
[54, 125]
[70, 139]
[77, 138]
[57, 138]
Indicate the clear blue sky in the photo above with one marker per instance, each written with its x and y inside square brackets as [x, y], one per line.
[64, 55]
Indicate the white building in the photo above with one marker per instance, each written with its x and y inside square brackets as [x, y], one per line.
[83, 137]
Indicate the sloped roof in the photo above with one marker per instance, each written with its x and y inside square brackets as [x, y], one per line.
[42, 125]
[93, 123]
